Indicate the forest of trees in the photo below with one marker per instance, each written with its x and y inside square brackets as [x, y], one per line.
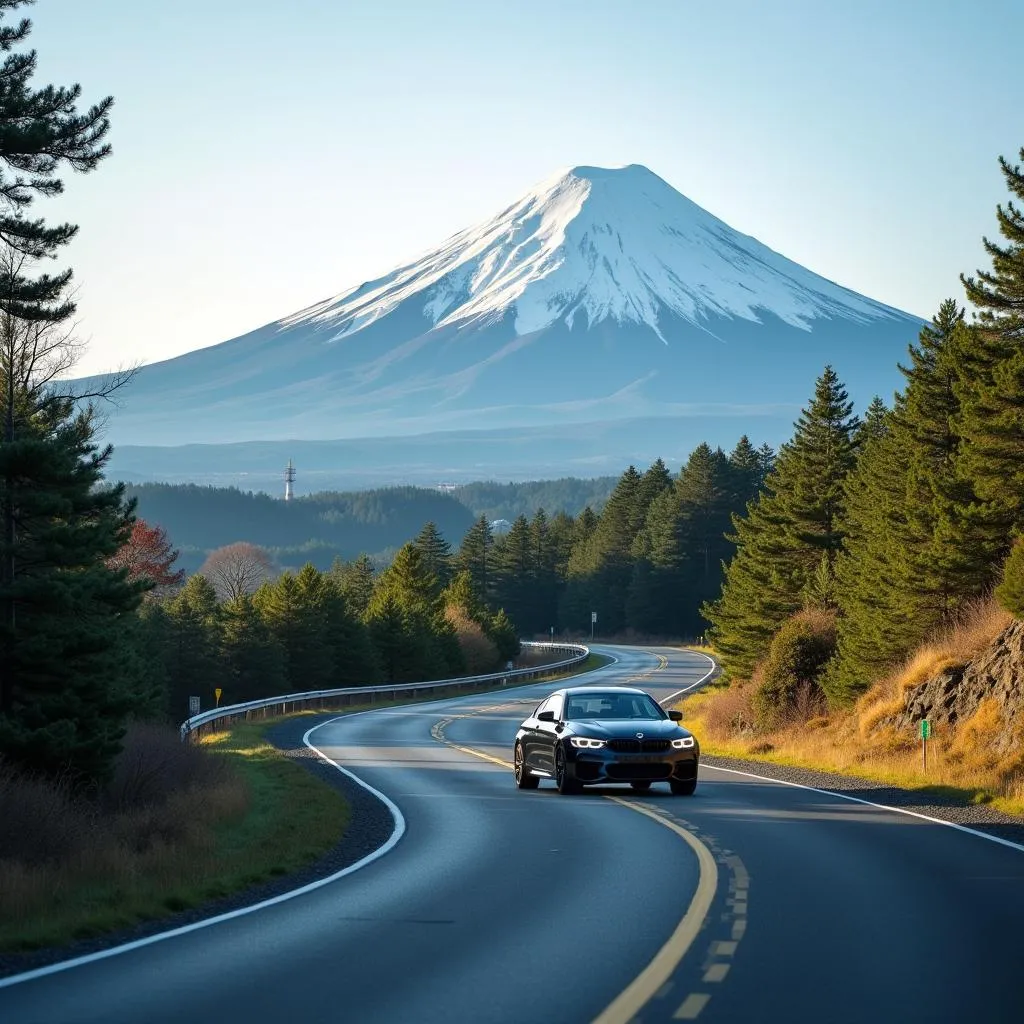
[510, 500]
[880, 531]
[644, 565]
[316, 529]
[313, 630]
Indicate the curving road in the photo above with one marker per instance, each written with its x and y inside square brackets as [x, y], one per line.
[751, 901]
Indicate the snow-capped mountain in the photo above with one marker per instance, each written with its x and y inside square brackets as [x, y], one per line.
[605, 244]
[602, 294]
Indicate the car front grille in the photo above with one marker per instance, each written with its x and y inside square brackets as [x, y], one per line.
[638, 746]
[628, 772]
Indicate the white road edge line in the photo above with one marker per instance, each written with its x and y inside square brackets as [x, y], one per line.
[703, 678]
[387, 847]
[844, 796]
[870, 803]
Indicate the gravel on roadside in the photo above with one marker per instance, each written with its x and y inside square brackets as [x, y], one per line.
[976, 816]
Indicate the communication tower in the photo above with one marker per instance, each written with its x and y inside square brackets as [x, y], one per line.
[289, 480]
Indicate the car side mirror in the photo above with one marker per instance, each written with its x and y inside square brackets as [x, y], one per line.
[676, 716]
[546, 716]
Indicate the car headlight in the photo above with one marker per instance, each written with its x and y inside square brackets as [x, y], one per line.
[684, 743]
[586, 743]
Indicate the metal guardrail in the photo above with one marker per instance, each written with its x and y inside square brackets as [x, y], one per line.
[328, 700]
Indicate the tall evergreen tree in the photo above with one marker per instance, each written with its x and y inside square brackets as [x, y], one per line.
[253, 659]
[545, 558]
[912, 518]
[601, 567]
[992, 392]
[356, 581]
[191, 657]
[747, 469]
[355, 660]
[796, 519]
[515, 576]
[293, 609]
[476, 556]
[436, 553]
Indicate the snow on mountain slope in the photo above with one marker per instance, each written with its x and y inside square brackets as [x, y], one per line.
[601, 295]
[617, 244]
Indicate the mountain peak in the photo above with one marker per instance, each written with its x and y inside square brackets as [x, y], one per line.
[591, 244]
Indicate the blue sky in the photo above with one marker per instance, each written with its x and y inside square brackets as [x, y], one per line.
[269, 155]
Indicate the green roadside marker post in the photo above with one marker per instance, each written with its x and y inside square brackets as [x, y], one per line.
[926, 731]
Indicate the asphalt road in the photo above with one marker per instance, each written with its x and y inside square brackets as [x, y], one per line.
[750, 901]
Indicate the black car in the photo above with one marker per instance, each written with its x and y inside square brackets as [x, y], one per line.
[588, 734]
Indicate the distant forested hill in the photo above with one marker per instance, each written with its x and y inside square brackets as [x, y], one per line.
[310, 529]
[507, 501]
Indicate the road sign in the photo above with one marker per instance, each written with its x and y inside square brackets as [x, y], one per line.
[926, 729]
[593, 616]
[217, 692]
[193, 706]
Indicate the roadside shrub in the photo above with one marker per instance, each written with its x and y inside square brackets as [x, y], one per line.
[788, 691]
[154, 764]
[41, 820]
[1010, 593]
[729, 712]
[478, 650]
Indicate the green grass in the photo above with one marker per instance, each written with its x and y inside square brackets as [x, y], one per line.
[266, 818]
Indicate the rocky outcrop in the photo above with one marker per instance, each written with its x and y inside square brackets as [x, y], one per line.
[953, 696]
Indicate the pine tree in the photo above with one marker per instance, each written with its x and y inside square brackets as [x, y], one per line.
[43, 131]
[584, 526]
[65, 665]
[545, 558]
[747, 468]
[436, 553]
[356, 581]
[515, 577]
[476, 556]
[992, 391]
[354, 656]
[253, 659]
[407, 589]
[912, 518]
[601, 566]
[781, 539]
[293, 609]
[504, 636]
[191, 658]
[657, 589]
[656, 480]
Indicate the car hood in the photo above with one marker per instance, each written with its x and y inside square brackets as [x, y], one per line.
[627, 728]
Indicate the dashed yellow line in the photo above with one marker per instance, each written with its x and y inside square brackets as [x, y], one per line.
[690, 1010]
[646, 984]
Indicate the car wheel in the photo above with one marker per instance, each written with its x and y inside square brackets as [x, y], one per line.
[641, 787]
[565, 783]
[524, 778]
[683, 788]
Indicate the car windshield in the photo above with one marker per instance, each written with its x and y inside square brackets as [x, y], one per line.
[611, 705]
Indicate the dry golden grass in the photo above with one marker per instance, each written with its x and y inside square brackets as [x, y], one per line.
[180, 825]
[861, 741]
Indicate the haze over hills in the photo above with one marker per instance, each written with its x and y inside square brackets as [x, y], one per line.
[603, 306]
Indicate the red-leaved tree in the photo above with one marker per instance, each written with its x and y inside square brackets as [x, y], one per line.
[148, 554]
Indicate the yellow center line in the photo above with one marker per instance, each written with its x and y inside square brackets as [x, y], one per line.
[653, 977]
[639, 991]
